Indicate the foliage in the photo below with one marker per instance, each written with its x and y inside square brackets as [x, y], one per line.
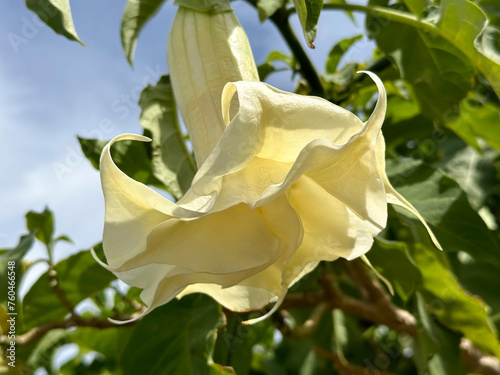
[440, 62]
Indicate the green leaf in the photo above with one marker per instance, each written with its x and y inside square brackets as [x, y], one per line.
[436, 349]
[417, 6]
[344, 77]
[269, 65]
[440, 75]
[392, 261]
[171, 160]
[57, 15]
[44, 351]
[492, 9]
[404, 123]
[131, 157]
[135, 16]
[477, 121]
[265, 69]
[288, 60]
[210, 6]
[80, 277]
[42, 224]
[14, 255]
[444, 205]
[234, 344]
[462, 24]
[63, 238]
[481, 279]
[338, 51]
[267, 8]
[176, 338]
[308, 12]
[110, 342]
[475, 173]
[452, 305]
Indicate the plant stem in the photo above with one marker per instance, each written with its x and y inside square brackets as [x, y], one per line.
[280, 20]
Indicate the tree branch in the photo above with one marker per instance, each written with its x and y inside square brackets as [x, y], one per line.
[74, 321]
[380, 309]
[54, 284]
[477, 361]
[309, 326]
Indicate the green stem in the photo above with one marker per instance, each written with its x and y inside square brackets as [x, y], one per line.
[280, 20]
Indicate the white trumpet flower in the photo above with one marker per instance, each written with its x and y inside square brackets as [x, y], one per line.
[285, 181]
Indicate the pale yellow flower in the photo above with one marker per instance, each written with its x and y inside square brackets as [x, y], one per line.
[290, 181]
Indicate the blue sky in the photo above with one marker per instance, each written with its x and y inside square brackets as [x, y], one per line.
[54, 89]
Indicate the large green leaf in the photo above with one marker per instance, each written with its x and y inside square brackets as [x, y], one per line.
[453, 306]
[308, 12]
[481, 279]
[136, 14]
[57, 15]
[439, 73]
[131, 157]
[474, 172]
[176, 338]
[391, 259]
[80, 277]
[109, 342]
[464, 23]
[492, 9]
[172, 162]
[13, 255]
[445, 207]
[461, 23]
[476, 120]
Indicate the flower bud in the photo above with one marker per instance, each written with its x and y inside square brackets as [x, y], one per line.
[206, 51]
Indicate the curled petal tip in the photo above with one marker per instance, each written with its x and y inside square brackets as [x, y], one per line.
[378, 274]
[92, 251]
[269, 313]
[121, 322]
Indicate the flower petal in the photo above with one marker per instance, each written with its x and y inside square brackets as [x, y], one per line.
[227, 241]
[132, 209]
[258, 290]
[393, 196]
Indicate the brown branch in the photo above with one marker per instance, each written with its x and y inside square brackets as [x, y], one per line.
[345, 368]
[368, 285]
[61, 296]
[74, 321]
[380, 309]
[309, 326]
[477, 361]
